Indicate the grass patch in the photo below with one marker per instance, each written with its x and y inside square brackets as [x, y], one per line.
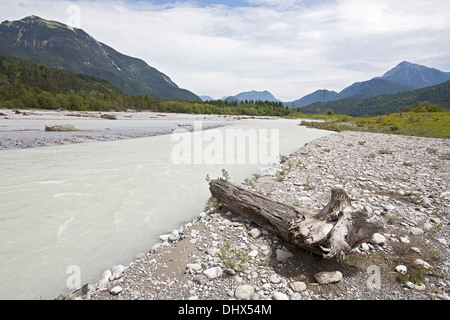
[427, 124]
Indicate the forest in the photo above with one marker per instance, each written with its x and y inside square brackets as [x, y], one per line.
[28, 85]
[384, 104]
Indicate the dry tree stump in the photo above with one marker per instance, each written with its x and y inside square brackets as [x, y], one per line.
[332, 232]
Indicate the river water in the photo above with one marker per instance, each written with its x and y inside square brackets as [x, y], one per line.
[95, 205]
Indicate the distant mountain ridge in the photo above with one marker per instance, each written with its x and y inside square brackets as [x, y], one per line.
[252, 96]
[406, 76]
[416, 75]
[59, 46]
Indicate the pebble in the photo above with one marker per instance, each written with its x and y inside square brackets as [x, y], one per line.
[401, 269]
[378, 239]
[283, 254]
[328, 277]
[280, 296]
[298, 286]
[244, 292]
[416, 231]
[116, 290]
[213, 273]
[255, 233]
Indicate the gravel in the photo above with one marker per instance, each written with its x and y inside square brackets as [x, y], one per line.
[408, 187]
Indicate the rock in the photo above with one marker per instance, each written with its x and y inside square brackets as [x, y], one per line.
[213, 273]
[435, 220]
[244, 292]
[274, 279]
[416, 250]
[280, 296]
[212, 251]
[298, 286]
[255, 233]
[416, 231]
[116, 290]
[404, 240]
[389, 207]
[116, 272]
[378, 239]
[200, 279]
[401, 269]
[426, 203]
[328, 277]
[194, 267]
[420, 262]
[283, 255]
[420, 287]
[409, 284]
[364, 247]
[164, 237]
[104, 281]
[253, 253]
[174, 236]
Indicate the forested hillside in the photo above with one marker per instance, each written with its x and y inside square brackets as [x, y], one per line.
[384, 104]
[25, 84]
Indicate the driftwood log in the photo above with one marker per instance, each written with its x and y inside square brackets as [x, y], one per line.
[332, 232]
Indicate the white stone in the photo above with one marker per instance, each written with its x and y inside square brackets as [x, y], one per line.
[298, 286]
[116, 272]
[253, 253]
[404, 240]
[174, 236]
[416, 231]
[283, 255]
[401, 269]
[274, 279]
[280, 296]
[364, 247]
[164, 237]
[104, 281]
[194, 266]
[328, 277]
[213, 273]
[420, 262]
[378, 239]
[244, 292]
[255, 233]
[116, 290]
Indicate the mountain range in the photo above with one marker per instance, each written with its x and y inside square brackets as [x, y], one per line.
[406, 76]
[60, 46]
[252, 96]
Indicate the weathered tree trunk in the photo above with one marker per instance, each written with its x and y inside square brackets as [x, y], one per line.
[332, 232]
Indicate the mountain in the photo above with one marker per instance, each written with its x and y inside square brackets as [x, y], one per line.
[207, 98]
[384, 104]
[404, 77]
[416, 75]
[317, 96]
[59, 46]
[373, 88]
[252, 96]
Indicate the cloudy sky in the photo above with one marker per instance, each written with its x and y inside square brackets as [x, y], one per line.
[290, 48]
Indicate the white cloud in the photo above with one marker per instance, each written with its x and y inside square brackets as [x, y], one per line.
[290, 48]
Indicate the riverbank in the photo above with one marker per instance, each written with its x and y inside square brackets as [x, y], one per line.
[403, 180]
[20, 129]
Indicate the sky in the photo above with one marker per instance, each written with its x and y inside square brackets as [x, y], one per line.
[290, 48]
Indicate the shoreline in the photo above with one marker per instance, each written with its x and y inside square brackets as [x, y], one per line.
[94, 126]
[403, 180]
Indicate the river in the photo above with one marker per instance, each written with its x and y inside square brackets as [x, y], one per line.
[96, 205]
